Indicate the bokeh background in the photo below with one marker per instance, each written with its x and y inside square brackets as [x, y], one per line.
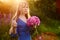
[46, 10]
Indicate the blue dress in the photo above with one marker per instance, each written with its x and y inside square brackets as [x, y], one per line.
[22, 30]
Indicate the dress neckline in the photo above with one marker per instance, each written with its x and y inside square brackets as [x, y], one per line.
[22, 20]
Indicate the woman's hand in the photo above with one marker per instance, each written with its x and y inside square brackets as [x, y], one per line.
[13, 27]
[14, 24]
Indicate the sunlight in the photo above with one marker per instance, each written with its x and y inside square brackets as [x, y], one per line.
[4, 0]
[12, 5]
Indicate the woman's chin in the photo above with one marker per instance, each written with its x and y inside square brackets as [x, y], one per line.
[25, 12]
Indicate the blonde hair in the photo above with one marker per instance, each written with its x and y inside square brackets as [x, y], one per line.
[15, 17]
[17, 11]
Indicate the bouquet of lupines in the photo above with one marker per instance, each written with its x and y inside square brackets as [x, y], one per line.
[33, 22]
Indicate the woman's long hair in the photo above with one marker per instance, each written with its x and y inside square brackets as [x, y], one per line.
[17, 14]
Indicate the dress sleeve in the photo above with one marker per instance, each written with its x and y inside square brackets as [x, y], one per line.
[13, 35]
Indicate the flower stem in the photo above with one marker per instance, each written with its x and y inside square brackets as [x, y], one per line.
[36, 30]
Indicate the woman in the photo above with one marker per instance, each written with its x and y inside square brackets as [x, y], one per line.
[19, 25]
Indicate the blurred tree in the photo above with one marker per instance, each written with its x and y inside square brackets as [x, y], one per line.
[48, 7]
[46, 10]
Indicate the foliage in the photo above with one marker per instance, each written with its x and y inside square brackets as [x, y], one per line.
[46, 11]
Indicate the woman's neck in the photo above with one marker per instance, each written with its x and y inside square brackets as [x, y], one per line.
[21, 15]
[23, 18]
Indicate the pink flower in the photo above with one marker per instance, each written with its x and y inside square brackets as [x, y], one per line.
[34, 20]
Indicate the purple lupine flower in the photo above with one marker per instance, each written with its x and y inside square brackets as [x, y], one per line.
[34, 20]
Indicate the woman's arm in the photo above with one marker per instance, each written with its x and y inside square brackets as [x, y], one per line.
[12, 30]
